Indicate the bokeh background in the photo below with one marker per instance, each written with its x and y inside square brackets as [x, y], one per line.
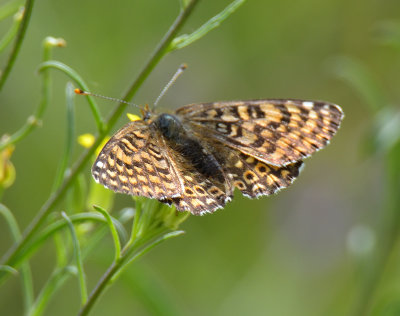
[313, 249]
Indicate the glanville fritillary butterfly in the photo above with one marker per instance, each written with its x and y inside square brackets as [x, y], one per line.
[195, 157]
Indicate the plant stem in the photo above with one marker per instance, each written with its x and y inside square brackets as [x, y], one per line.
[99, 289]
[140, 246]
[54, 198]
[35, 120]
[17, 45]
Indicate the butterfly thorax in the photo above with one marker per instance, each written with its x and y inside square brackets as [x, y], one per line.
[169, 126]
[189, 147]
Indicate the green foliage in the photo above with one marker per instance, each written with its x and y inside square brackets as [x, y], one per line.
[153, 223]
[344, 259]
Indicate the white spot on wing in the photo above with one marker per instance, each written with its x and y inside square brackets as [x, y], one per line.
[308, 105]
[100, 164]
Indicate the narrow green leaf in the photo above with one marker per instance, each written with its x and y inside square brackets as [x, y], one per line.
[71, 73]
[183, 4]
[66, 156]
[99, 195]
[57, 226]
[9, 8]
[26, 274]
[57, 278]
[114, 233]
[35, 120]
[11, 222]
[136, 218]
[62, 250]
[78, 258]
[12, 32]
[187, 39]
[76, 197]
[17, 43]
[9, 269]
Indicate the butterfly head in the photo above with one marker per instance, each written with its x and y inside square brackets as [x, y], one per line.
[147, 114]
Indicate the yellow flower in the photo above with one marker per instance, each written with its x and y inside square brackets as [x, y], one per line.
[133, 117]
[7, 169]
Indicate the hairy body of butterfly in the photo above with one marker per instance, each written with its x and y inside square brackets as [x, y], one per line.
[195, 158]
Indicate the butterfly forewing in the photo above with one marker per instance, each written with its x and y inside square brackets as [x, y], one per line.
[134, 162]
[277, 132]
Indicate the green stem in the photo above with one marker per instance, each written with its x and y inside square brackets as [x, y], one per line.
[30, 124]
[34, 121]
[56, 280]
[15, 251]
[100, 287]
[57, 226]
[159, 52]
[17, 45]
[26, 275]
[128, 255]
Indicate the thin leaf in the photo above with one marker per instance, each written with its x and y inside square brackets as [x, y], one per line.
[78, 258]
[12, 32]
[66, 157]
[71, 73]
[187, 39]
[35, 120]
[183, 4]
[9, 269]
[136, 218]
[99, 195]
[114, 233]
[76, 197]
[17, 44]
[9, 8]
[50, 288]
[55, 227]
[26, 274]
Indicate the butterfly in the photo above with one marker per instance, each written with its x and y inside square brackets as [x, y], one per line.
[196, 157]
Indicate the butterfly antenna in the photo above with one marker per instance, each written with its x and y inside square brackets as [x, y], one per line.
[81, 92]
[170, 83]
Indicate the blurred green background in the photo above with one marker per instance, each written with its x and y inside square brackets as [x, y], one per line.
[313, 249]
